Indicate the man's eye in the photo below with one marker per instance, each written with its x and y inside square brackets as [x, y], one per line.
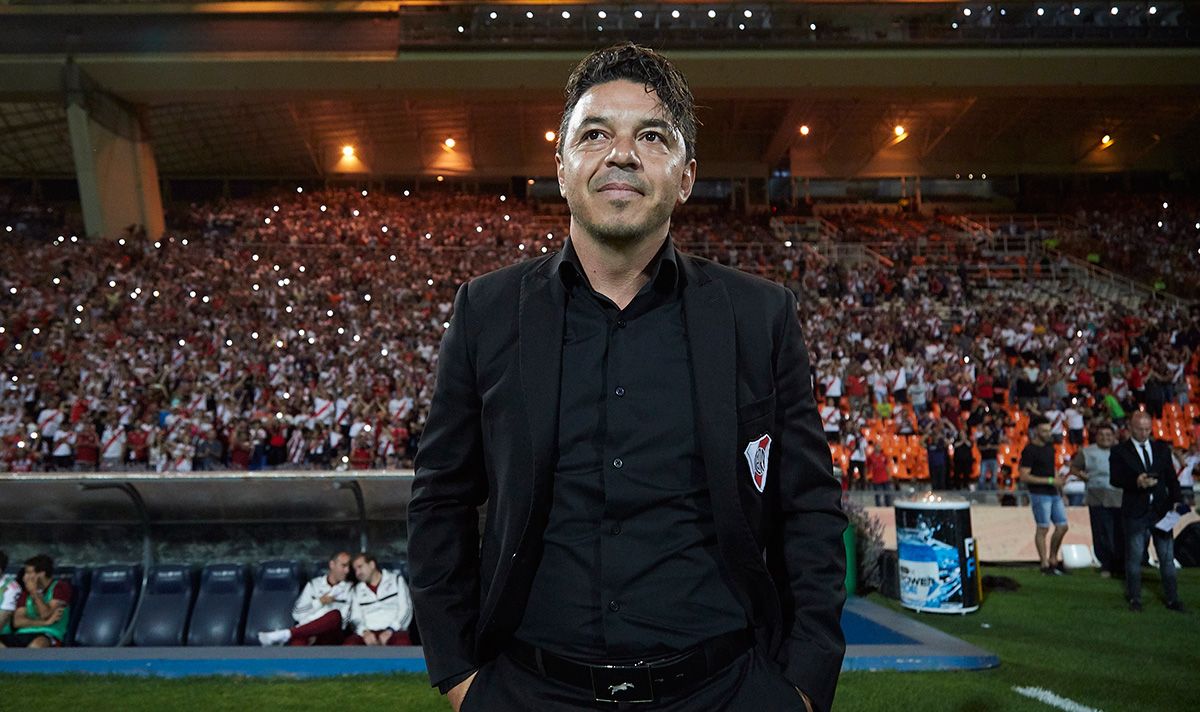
[652, 136]
[593, 135]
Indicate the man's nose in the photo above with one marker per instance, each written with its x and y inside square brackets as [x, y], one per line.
[623, 153]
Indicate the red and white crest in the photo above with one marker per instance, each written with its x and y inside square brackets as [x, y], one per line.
[758, 454]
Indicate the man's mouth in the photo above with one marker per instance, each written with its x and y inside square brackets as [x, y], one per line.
[619, 190]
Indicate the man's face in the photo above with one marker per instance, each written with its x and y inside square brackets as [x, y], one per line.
[339, 568]
[35, 579]
[1043, 432]
[1105, 438]
[363, 569]
[1139, 427]
[623, 165]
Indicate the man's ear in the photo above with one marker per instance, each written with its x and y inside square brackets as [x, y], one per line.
[687, 182]
[558, 168]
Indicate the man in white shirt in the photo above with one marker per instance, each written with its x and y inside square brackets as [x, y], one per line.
[320, 611]
[380, 606]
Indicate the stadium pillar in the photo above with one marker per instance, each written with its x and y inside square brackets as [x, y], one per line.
[114, 162]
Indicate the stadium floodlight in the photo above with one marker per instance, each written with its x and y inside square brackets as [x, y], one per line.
[804, 130]
[348, 151]
[1076, 12]
[748, 14]
[1153, 10]
[712, 14]
[812, 26]
[954, 25]
[637, 14]
[966, 12]
[492, 15]
[1166, 205]
[461, 29]
[275, 208]
[675, 14]
[1106, 140]
[299, 189]
[550, 136]
[566, 14]
[1114, 10]
[529, 15]
[505, 197]
[602, 14]
[741, 26]
[1041, 11]
[899, 130]
[787, 243]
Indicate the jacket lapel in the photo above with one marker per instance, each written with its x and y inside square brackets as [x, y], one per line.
[539, 346]
[712, 344]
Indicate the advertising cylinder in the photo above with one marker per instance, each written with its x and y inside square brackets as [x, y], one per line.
[938, 560]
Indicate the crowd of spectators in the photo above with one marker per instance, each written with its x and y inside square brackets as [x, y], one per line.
[1155, 239]
[300, 330]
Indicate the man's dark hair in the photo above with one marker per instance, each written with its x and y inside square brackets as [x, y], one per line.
[365, 557]
[636, 64]
[41, 564]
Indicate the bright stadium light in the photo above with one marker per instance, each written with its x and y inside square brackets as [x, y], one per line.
[712, 14]
[899, 130]
[550, 136]
[348, 151]
[804, 130]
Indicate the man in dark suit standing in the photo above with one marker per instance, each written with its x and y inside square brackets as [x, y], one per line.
[1143, 469]
[662, 522]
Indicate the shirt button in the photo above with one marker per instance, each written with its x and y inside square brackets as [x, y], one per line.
[614, 606]
[615, 529]
[618, 464]
[620, 391]
[620, 323]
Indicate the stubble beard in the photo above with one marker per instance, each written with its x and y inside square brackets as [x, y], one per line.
[618, 234]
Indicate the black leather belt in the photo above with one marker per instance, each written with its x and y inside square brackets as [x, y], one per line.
[637, 681]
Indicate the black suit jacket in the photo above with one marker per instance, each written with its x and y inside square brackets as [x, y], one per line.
[491, 437]
[1124, 466]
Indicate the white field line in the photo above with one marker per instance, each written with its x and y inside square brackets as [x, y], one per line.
[1041, 694]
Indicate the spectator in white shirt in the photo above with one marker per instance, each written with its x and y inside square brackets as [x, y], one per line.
[380, 606]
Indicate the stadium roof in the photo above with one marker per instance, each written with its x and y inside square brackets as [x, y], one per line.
[277, 94]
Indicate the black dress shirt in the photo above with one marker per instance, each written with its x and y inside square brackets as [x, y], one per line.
[629, 564]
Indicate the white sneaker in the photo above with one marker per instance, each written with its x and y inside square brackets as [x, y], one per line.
[274, 637]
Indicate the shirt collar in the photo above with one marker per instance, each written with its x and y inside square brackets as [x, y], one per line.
[664, 267]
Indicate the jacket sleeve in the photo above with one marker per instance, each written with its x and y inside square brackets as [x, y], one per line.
[404, 609]
[443, 518]
[305, 604]
[813, 553]
[1119, 473]
[355, 616]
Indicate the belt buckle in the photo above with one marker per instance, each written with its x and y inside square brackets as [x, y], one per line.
[622, 683]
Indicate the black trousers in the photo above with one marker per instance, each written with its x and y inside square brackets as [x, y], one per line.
[1108, 538]
[748, 684]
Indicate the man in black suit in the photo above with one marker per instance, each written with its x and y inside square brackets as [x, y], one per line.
[662, 522]
[1143, 469]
